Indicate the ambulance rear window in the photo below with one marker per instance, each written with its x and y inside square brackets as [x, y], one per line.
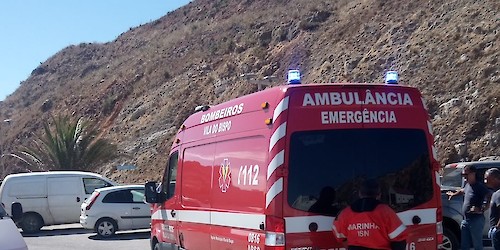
[326, 167]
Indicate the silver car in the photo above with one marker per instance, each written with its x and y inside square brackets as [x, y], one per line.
[116, 208]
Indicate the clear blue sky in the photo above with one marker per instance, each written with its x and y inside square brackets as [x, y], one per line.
[31, 31]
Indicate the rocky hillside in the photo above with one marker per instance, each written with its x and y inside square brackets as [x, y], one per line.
[141, 86]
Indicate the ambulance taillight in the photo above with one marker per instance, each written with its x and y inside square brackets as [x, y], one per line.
[439, 225]
[275, 233]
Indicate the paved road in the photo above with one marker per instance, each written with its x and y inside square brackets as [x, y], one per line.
[74, 237]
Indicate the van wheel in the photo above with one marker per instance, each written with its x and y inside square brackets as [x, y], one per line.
[105, 227]
[31, 223]
[450, 240]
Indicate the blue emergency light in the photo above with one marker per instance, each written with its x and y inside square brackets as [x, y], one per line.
[293, 76]
[391, 77]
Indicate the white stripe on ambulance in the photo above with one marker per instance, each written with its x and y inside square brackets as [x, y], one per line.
[237, 220]
[275, 189]
[301, 224]
[277, 135]
[298, 224]
[275, 163]
[280, 108]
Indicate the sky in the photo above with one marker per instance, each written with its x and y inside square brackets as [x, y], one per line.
[31, 31]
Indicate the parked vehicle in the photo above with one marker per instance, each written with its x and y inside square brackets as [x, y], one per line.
[452, 209]
[49, 198]
[116, 208]
[10, 237]
[245, 174]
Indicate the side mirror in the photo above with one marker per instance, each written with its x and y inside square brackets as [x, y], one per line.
[16, 211]
[150, 192]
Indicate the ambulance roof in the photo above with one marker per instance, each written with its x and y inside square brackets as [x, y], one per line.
[273, 95]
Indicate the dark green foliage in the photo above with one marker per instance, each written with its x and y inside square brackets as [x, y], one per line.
[69, 145]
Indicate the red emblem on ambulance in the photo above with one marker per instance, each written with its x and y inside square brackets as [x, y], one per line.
[224, 176]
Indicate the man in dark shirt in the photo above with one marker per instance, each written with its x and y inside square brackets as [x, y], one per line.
[476, 199]
[492, 180]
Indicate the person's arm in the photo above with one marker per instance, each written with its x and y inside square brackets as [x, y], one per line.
[494, 228]
[498, 213]
[487, 201]
[495, 205]
[397, 229]
[451, 193]
[337, 228]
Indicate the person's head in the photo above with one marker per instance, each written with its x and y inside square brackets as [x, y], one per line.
[492, 178]
[369, 189]
[469, 174]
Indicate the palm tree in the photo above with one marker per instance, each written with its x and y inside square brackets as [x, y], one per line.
[68, 146]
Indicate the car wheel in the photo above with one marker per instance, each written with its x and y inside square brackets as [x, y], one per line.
[106, 227]
[450, 241]
[31, 223]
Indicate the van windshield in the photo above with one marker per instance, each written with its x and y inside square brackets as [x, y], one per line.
[326, 167]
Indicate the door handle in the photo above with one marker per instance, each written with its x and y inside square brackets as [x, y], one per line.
[172, 213]
[77, 199]
[136, 208]
[416, 220]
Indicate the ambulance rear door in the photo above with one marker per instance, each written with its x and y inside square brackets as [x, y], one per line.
[405, 158]
[311, 155]
[338, 135]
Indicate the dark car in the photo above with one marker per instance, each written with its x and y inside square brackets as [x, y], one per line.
[452, 209]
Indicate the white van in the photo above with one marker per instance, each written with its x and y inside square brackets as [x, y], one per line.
[49, 198]
[10, 238]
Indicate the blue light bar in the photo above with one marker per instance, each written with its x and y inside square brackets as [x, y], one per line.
[293, 76]
[391, 77]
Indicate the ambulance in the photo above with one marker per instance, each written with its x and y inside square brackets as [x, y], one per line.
[271, 170]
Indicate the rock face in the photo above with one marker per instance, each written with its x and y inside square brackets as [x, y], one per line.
[141, 86]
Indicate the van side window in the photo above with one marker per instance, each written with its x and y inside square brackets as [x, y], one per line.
[92, 184]
[170, 176]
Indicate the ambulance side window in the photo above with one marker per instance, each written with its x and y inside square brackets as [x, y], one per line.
[170, 176]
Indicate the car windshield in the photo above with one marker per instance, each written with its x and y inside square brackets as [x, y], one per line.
[331, 164]
[452, 177]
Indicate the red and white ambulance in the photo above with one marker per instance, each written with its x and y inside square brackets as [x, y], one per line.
[271, 170]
